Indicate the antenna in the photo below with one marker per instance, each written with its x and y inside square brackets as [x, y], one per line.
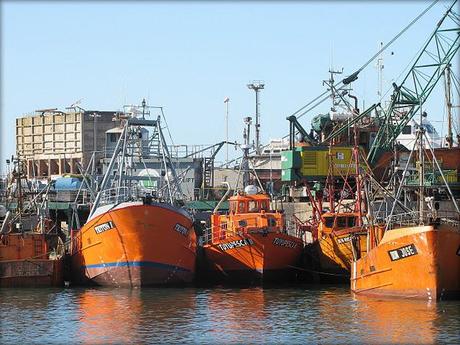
[257, 85]
[380, 66]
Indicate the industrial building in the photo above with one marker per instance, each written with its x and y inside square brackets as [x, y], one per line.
[54, 142]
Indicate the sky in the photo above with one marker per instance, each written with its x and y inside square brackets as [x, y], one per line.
[189, 56]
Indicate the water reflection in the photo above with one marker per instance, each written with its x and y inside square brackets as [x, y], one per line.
[303, 314]
[398, 321]
[127, 315]
[108, 316]
[232, 314]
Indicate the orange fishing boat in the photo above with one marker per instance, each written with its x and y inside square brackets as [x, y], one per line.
[339, 233]
[31, 252]
[412, 261]
[339, 240]
[136, 233]
[251, 242]
[419, 253]
[135, 244]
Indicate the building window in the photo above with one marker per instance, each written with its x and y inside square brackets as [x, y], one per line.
[407, 130]
[112, 137]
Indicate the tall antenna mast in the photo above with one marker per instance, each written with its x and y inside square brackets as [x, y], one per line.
[257, 85]
[380, 72]
[447, 83]
[246, 146]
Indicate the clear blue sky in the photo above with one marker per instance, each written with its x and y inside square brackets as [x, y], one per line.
[188, 57]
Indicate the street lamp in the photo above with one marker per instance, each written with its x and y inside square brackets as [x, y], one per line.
[95, 116]
[226, 101]
[257, 85]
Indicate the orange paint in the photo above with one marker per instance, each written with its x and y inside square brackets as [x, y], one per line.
[250, 242]
[135, 245]
[339, 242]
[418, 262]
[25, 262]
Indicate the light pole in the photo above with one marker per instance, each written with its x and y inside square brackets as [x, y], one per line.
[257, 85]
[226, 101]
[95, 117]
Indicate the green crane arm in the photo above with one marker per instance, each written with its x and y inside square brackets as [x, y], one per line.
[409, 96]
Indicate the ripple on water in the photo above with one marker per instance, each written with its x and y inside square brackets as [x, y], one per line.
[307, 314]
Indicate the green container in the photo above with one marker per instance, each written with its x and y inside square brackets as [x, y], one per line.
[291, 160]
[289, 175]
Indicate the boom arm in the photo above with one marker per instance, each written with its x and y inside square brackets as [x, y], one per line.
[415, 88]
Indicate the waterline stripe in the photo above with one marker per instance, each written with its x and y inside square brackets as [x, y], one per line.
[137, 264]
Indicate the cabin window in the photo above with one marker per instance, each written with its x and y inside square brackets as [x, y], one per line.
[407, 130]
[329, 222]
[271, 222]
[232, 206]
[242, 223]
[351, 222]
[241, 208]
[341, 222]
[264, 205]
[252, 206]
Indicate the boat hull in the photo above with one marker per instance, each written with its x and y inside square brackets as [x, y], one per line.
[25, 261]
[417, 262]
[133, 245]
[254, 257]
[31, 273]
[330, 257]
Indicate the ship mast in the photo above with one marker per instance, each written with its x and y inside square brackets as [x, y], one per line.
[246, 146]
[447, 81]
[356, 158]
[421, 167]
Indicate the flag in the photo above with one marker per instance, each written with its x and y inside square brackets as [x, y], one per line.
[226, 100]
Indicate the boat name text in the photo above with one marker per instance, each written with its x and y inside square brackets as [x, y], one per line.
[181, 229]
[104, 227]
[403, 252]
[284, 243]
[236, 244]
[344, 239]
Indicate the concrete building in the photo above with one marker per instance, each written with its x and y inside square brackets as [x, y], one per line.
[54, 142]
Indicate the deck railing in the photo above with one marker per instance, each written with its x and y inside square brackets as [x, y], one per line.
[428, 217]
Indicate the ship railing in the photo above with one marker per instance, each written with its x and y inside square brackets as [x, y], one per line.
[117, 195]
[428, 217]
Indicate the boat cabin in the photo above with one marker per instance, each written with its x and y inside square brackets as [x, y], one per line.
[247, 213]
[249, 203]
[333, 222]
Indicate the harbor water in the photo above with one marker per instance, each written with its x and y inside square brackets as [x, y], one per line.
[300, 314]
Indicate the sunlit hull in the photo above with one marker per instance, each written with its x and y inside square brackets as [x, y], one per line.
[135, 245]
[253, 257]
[417, 262]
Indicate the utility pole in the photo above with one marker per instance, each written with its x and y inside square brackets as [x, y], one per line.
[226, 101]
[257, 85]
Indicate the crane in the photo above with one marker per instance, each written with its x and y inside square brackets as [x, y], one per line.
[413, 91]
[419, 82]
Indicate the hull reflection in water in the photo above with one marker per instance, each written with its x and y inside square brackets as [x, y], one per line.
[221, 316]
[399, 321]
